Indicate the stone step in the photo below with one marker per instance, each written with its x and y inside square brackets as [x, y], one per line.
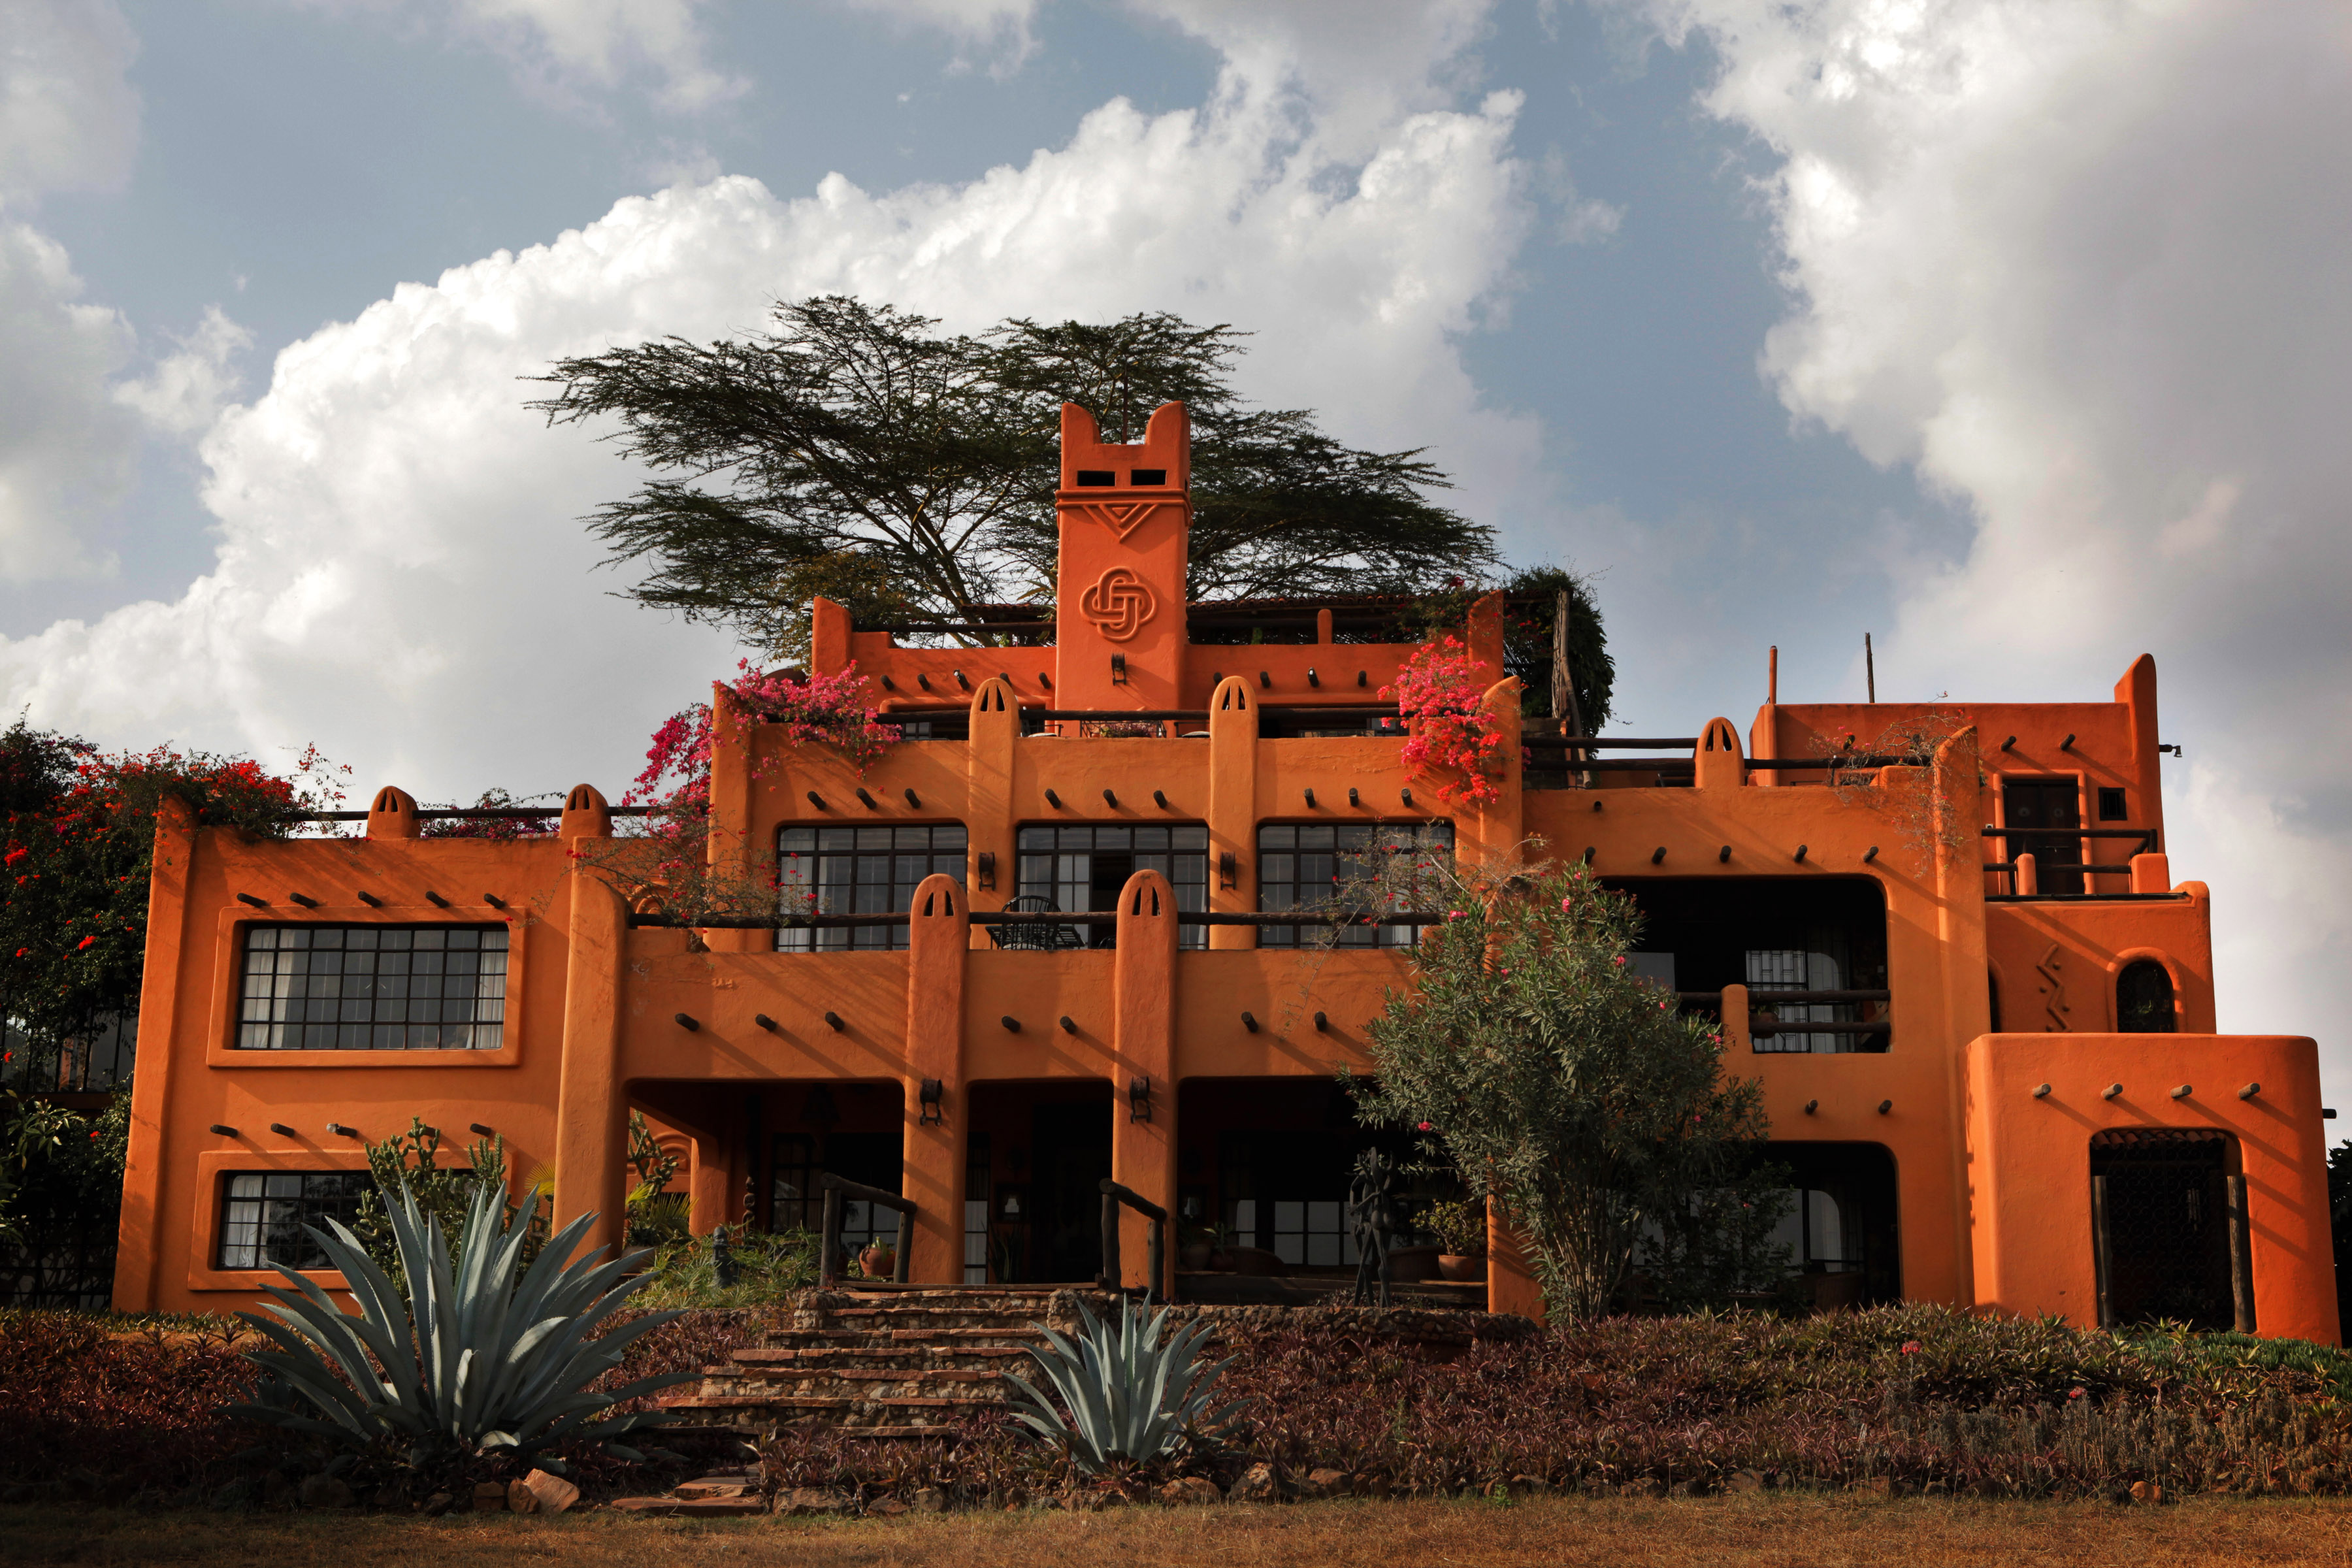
[854, 1383]
[888, 1352]
[834, 1410]
[899, 1318]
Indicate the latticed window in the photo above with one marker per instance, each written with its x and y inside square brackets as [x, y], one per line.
[860, 871]
[1316, 866]
[1082, 866]
[373, 988]
[263, 1214]
[1820, 966]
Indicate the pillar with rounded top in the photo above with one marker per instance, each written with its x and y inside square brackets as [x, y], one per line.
[1232, 808]
[1143, 1051]
[591, 1112]
[939, 936]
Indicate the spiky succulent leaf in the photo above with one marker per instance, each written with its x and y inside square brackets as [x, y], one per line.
[1127, 1393]
[472, 1357]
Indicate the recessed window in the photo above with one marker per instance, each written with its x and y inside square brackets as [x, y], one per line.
[2112, 805]
[1319, 866]
[860, 871]
[373, 988]
[1082, 866]
[1095, 477]
[1148, 476]
[2143, 999]
[263, 1214]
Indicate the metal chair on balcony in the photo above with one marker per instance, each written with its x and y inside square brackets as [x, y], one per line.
[1037, 938]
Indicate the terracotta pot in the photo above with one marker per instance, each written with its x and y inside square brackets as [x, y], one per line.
[877, 1262]
[1408, 1264]
[1462, 1270]
[1220, 1261]
[1193, 1256]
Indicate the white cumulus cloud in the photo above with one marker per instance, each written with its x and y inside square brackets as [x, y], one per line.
[403, 577]
[2083, 267]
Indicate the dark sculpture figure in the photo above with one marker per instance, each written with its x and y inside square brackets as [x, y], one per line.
[1375, 1221]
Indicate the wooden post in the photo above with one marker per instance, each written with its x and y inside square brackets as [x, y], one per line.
[2242, 1273]
[1109, 1279]
[2099, 1248]
[829, 1243]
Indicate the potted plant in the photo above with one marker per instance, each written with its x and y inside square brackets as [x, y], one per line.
[878, 1261]
[1460, 1227]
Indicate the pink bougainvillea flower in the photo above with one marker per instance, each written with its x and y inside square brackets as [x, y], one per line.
[1621, 961]
[1424, 1127]
[2075, 1393]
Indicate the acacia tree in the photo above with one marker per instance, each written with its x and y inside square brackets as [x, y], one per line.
[1532, 1060]
[857, 453]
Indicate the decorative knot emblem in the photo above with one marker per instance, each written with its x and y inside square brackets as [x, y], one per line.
[1120, 516]
[1118, 604]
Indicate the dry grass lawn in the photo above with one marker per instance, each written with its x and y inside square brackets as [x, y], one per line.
[1787, 1532]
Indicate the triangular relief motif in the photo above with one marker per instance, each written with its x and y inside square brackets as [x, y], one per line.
[1120, 516]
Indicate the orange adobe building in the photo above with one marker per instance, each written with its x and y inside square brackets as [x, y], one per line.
[1981, 1009]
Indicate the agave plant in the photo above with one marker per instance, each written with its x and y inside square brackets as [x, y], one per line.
[466, 1359]
[1129, 1396]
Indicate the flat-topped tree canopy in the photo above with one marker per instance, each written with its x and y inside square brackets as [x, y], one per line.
[858, 454]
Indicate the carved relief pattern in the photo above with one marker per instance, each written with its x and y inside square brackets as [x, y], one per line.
[1121, 517]
[1118, 604]
[2055, 1006]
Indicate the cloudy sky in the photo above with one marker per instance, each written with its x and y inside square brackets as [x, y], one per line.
[2015, 331]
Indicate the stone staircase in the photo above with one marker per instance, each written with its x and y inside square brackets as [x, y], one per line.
[886, 1363]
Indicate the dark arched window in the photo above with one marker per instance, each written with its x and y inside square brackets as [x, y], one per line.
[2144, 998]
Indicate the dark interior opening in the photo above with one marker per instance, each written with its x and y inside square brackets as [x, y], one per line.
[2143, 999]
[1770, 933]
[2036, 811]
[1046, 1148]
[1270, 1160]
[1843, 1235]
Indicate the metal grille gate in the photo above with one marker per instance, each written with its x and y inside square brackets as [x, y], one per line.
[2168, 1226]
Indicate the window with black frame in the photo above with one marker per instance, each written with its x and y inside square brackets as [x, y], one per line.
[1082, 866]
[860, 871]
[263, 1214]
[373, 988]
[1312, 866]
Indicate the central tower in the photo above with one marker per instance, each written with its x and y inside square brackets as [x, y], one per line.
[1125, 514]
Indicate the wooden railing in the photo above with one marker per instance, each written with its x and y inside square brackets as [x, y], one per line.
[1115, 1196]
[836, 1189]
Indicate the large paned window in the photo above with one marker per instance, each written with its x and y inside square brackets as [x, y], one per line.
[1082, 866]
[373, 988]
[1311, 866]
[263, 1214]
[860, 871]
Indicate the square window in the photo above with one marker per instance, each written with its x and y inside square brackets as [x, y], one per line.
[2112, 805]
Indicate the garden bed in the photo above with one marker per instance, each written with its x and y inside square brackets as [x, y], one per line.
[1912, 1398]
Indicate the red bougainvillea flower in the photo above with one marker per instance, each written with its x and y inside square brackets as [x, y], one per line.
[1910, 1347]
[85, 942]
[1442, 690]
[1621, 961]
[1426, 1127]
[2075, 1393]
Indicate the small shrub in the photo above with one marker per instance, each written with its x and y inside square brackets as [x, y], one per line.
[767, 1268]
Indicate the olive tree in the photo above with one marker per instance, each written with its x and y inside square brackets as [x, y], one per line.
[1532, 1059]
